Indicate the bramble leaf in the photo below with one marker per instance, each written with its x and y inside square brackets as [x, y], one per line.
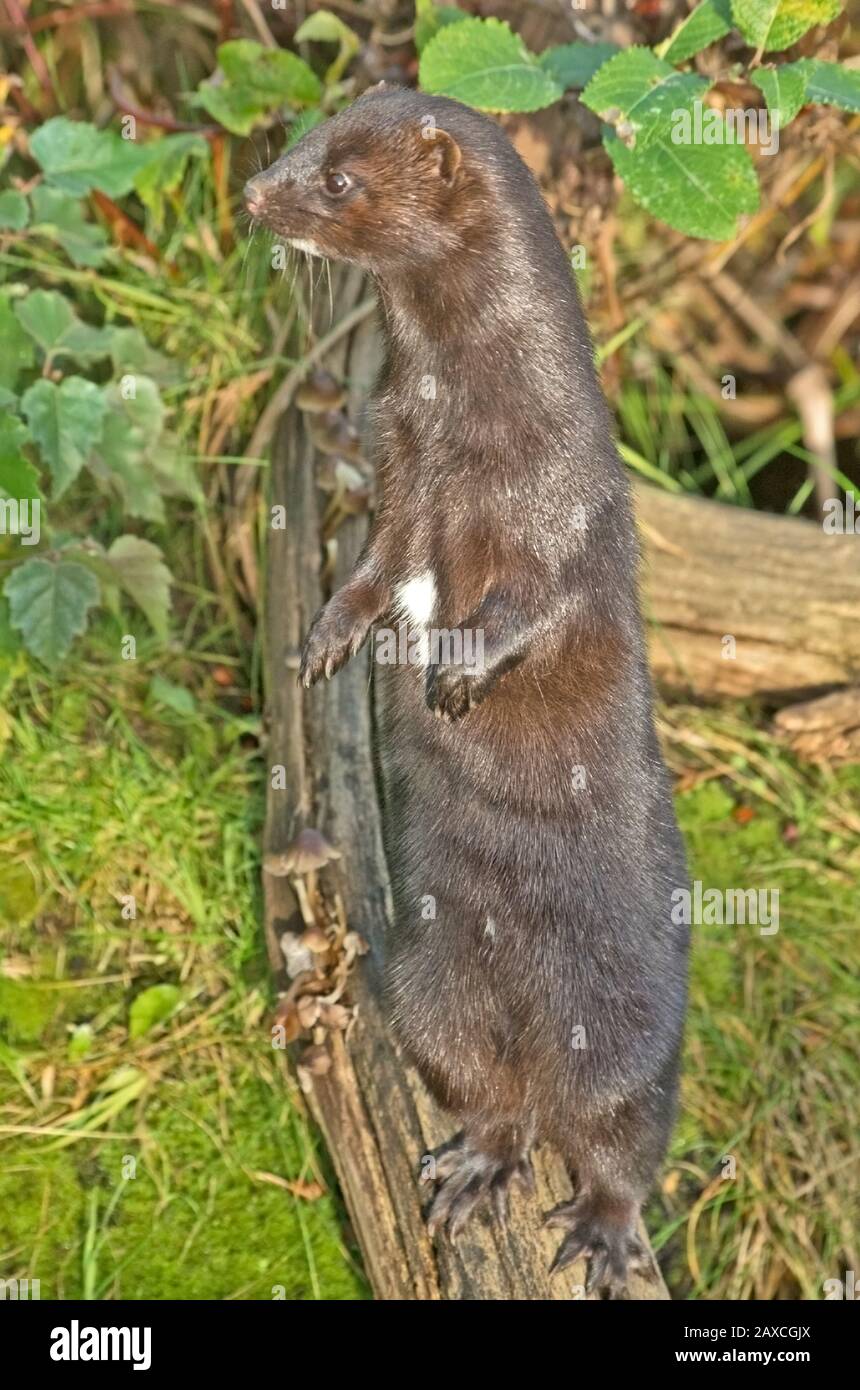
[49, 603]
[484, 63]
[66, 422]
[638, 94]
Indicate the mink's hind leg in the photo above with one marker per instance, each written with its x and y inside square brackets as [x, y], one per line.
[614, 1158]
[476, 1168]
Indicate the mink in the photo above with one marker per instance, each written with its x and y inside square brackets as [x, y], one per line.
[534, 973]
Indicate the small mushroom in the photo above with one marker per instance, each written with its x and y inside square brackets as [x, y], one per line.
[316, 941]
[332, 433]
[320, 391]
[307, 853]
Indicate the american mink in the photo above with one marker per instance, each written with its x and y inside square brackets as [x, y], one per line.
[535, 975]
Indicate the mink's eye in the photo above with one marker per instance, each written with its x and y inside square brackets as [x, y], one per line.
[337, 184]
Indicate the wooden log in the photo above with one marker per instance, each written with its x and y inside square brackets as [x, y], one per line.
[374, 1113]
[787, 593]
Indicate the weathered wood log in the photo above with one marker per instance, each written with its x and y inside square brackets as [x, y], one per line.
[373, 1111]
[826, 730]
[744, 603]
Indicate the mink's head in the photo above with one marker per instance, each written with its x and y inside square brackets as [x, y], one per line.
[391, 184]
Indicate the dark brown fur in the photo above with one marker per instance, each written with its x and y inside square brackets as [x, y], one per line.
[544, 1000]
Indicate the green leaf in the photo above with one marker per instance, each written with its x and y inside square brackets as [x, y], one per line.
[50, 319]
[77, 158]
[254, 81]
[18, 477]
[14, 212]
[66, 422]
[830, 84]
[175, 697]
[483, 63]
[151, 1007]
[49, 604]
[131, 353]
[638, 93]
[784, 90]
[16, 346]
[130, 435]
[165, 168]
[61, 216]
[703, 26]
[770, 25]
[141, 571]
[430, 18]
[699, 189]
[325, 27]
[574, 64]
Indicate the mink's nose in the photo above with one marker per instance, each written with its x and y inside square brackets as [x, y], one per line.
[253, 195]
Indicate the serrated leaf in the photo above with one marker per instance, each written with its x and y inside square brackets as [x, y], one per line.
[130, 435]
[61, 216]
[50, 319]
[324, 27]
[16, 346]
[165, 168]
[49, 604]
[18, 477]
[703, 26]
[151, 1007]
[829, 84]
[483, 63]
[66, 422]
[771, 25]
[430, 18]
[76, 157]
[254, 81]
[131, 353]
[140, 569]
[14, 212]
[784, 91]
[639, 93]
[574, 64]
[700, 190]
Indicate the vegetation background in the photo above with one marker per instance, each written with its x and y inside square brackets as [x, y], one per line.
[152, 1143]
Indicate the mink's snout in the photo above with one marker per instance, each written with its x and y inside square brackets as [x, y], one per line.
[254, 194]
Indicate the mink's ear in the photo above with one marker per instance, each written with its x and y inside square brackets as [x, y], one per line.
[442, 153]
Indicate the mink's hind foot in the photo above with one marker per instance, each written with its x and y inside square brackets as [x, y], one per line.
[469, 1178]
[605, 1233]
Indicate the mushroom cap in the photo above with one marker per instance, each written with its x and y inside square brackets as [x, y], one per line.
[310, 850]
[320, 391]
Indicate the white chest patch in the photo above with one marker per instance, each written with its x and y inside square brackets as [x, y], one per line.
[416, 602]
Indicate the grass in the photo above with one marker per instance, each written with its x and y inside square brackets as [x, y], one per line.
[150, 1167]
[760, 1195]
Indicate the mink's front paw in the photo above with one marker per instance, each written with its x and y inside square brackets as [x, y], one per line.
[453, 691]
[336, 634]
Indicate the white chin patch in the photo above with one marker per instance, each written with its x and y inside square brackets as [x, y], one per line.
[416, 600]
[310, 247]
